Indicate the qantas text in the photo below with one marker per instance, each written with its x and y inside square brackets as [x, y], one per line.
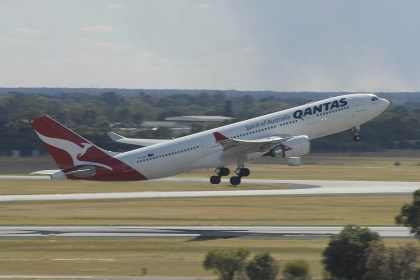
[320, 108]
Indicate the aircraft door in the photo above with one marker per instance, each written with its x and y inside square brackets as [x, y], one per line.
[204, 147]
[358, 112]
[309, 119]
[359, 105]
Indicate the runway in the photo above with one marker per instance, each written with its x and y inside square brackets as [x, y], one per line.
[302, 187]
[196, 233]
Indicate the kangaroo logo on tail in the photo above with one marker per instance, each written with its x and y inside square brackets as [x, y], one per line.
[74, 150]
[62, 138]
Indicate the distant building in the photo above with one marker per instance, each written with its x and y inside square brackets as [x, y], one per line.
[178, 125]
[184, 123]
[208, 120]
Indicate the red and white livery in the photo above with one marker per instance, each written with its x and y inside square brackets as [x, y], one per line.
[285, 134]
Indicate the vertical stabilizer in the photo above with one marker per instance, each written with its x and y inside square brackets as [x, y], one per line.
[67, 148]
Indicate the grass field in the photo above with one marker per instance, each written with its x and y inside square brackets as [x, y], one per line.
[56, 256]
[276, 210]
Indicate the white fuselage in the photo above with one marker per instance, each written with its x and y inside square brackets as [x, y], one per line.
[201, 150]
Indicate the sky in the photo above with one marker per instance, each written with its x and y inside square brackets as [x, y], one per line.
[280, 45]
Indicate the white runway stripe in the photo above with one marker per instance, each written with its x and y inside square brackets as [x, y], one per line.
[303, 187]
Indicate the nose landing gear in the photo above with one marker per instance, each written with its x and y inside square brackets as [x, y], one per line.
[356, 131]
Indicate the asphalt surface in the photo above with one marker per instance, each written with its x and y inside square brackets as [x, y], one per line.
[194, 233]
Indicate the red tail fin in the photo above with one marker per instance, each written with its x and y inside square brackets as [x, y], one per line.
[67, 148]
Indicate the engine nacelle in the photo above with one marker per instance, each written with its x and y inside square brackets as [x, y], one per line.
[294, 147]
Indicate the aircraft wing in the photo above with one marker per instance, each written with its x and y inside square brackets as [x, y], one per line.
[284, 145]
[232, 147]
[134, 141]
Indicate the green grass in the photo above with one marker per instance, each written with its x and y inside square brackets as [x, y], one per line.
[275, 210]
[55, 256]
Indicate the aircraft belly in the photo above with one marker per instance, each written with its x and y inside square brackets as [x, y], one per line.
[156, 170]
[211, 160]
[165, 167]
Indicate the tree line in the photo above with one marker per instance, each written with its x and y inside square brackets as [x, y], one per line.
[93, 116]
[356, 253]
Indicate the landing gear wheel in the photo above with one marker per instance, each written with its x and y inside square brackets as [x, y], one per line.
[356, 131]
[235, 180]
[215, 180]
[222, 171]
[242, 172]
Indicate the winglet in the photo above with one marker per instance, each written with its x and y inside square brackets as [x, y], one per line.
[114, 136]
[219, 137]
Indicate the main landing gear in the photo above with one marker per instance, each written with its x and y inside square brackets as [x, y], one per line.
[356, 131]
[234, 180]
[220, 171]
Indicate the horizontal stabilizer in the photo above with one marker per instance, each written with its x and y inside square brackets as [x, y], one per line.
[45, 172]
[53, 173]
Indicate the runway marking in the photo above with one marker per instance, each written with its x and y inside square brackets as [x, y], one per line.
[196, 233]
[303, 187]
[78, 260]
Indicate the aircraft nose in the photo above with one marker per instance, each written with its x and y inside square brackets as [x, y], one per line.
[385, 103]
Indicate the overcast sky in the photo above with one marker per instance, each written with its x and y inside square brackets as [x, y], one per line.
[295, 45]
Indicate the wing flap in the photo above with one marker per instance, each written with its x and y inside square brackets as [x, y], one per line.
[234, 146]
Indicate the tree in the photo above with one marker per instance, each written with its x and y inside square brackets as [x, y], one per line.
[262, 267]
[296, 270]
[346, 254]
[410, 215]
[226, 262]
[403, 262]
[392, 263]
[376, 263]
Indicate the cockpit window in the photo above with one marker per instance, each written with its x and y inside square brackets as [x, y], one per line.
[374, 98]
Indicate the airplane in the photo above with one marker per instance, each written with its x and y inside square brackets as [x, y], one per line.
[283, 134]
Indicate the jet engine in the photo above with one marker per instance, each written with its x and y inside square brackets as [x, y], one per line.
[294, 147]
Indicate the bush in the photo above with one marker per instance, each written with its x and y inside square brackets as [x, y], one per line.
[296, 270]
[226, 262]
[393, 263]
[262, 267]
